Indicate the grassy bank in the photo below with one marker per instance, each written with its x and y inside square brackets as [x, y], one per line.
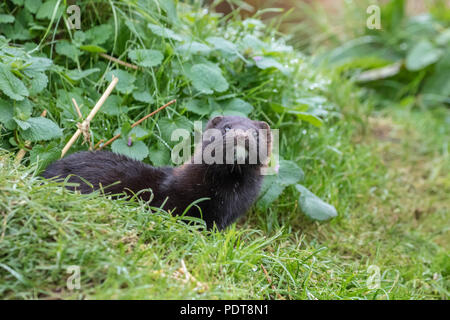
[387, 175]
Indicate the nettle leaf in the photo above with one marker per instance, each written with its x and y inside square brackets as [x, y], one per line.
[273, 186]
[126, 80]
[223, 45]
[41, 128]
[143, 96]
[266, 63]
[45, 154]
[164, 32]
[112, 106]
[422, 55]
[141, 93]
[193, 47]
[207, 78]
[67, 49]
[78, 75]
[11, 85]
[99, 34]
[23, 109]
[138, 150]
[38, 83]
[46, 10]
[37, 64]
[6, 18]
[167, 126]
[33, 5]
[146, 58]
[7, 114]
[159, 155]
[236, 107]
[313, 206]
[197, 106]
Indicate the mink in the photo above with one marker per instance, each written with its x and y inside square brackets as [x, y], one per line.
[230, 188]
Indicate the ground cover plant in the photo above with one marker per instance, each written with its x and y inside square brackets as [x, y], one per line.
[385, 172]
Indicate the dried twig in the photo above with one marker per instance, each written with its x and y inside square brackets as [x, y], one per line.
[23, 151]
[85, 123]
[77, 108]
[137, 123]
[123, 63]
[270, 282]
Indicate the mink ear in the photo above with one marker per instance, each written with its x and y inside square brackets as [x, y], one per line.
[262, 125]
[214, 121]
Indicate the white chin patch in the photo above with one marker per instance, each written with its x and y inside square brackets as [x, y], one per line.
[241, 154]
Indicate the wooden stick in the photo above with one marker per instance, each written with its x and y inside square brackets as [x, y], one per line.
[91, 115]
[123, 63]
[138, 123]
[23, 151]
[77, 108]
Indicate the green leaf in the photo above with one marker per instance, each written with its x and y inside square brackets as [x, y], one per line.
[146, 58]
[45, 154]
[223, 45]
[159, 155]
[38, 83]
[33, 5]
[41, 129]
[193, 47]
[67, 49]
[207, 78]
[315, 121]
[167, 126]
[112, 106]
[313, 206]
[138, 150]
[78, 75]
[143, 96]
[7, 114]
[422, 55]
[126, 80]
[164, 32]
[11, 85]
[6, 18]
[197, 106]
[46, 10]
[273, 186]
[99, 34]
[92, 48]
[266, 63]
[23, 109]
[236, 106]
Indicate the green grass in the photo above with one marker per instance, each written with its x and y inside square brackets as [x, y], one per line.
[388, 178]
[386, 172]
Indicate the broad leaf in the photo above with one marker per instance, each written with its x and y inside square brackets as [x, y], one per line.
[138, 150]
[313, 206]
[146, 58]
[41, 129]
[422, 55]
[11, 85]
[207, 79]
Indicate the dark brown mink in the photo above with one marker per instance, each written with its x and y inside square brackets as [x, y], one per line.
[230, 188]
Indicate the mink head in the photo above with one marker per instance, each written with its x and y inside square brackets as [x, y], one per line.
[236, 140]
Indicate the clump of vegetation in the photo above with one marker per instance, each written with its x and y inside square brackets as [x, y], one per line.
[404, 58]
[210, 65]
